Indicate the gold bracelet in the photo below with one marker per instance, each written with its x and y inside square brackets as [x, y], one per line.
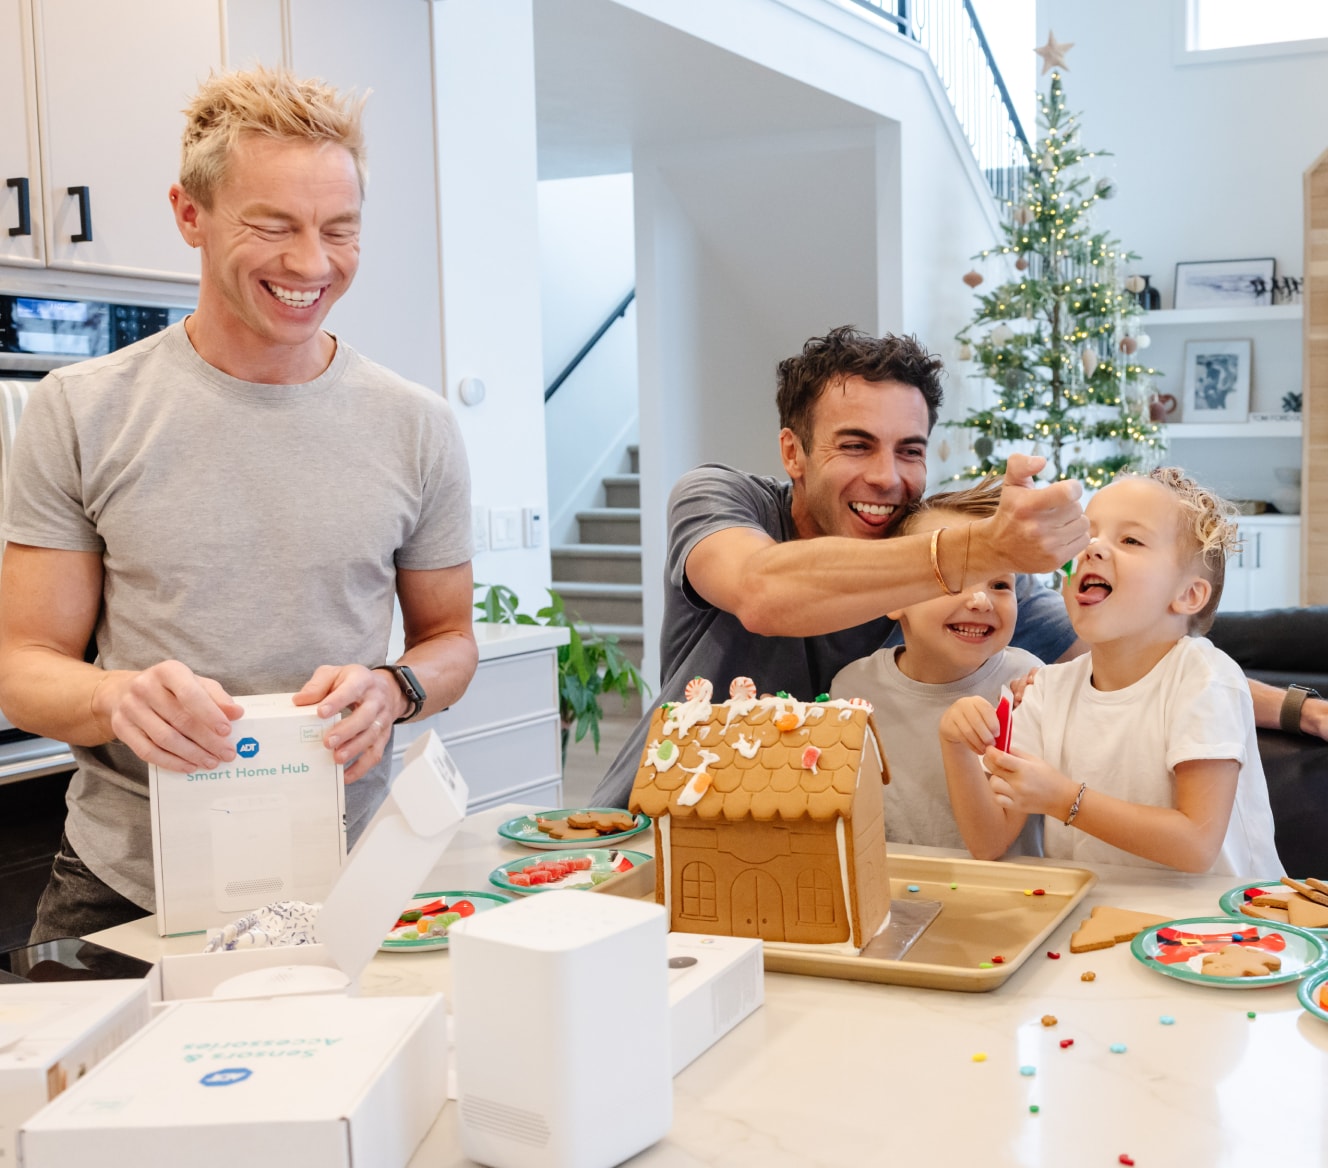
[936, 563]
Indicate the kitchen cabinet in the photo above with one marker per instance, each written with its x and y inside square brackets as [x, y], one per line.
[1265, 573]
[504, 733]
[90, 101]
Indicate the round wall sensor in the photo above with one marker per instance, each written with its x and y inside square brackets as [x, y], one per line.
[471, 390]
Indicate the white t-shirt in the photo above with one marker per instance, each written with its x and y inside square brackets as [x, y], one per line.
[908, 717]
[1193, 704]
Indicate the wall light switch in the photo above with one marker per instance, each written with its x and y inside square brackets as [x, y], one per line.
[532, 526]
[504, 528]
[479, 527]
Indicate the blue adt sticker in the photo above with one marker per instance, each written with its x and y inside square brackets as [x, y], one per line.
[247, 747]
[226, 1078]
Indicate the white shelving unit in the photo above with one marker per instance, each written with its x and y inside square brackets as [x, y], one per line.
[1238, 458]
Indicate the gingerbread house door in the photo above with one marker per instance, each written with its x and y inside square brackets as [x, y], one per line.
[758, 906]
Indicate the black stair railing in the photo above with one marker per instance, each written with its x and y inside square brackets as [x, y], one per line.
[952, 35]
[570, 367]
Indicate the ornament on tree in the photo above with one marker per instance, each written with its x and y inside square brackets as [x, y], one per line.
[1053, 53]
[1057, 378]
[965, 351]
[943, 450]
[1135, 284]
[1143, 340]
[972, 277]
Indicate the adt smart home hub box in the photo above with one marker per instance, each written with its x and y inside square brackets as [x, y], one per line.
[267, 826]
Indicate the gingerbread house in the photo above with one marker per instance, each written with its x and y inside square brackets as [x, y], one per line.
[768, 817]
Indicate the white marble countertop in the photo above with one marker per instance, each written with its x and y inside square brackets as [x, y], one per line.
[504, 640]
[840, 1073]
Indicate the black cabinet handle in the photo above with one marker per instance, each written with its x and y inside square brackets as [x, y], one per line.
[84, 215]
[24, 207]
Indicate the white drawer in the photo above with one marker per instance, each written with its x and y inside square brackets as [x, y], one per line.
[546, 794]
[509, 760]
[504, 690]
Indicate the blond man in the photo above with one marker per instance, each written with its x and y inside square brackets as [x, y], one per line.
[231, 506]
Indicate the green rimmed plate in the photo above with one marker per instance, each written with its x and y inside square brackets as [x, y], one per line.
[1230, 901]
[1313, 995]
[1177, 948]
[399, 940]
[524, 830]
[604, 863]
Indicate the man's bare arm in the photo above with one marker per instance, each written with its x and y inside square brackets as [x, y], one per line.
[807, 587]
[1268, 701]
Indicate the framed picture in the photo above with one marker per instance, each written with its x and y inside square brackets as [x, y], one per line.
[1217, 381]
[1224, 283]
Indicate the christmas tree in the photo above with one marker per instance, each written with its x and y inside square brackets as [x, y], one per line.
[1056, 337]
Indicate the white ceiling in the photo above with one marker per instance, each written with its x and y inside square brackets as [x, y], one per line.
[608, 79]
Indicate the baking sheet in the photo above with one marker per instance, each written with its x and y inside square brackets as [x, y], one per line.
[990, 912]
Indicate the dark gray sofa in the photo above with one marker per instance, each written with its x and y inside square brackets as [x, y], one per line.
[1280, 646]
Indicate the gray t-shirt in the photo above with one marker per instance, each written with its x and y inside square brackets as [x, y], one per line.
[908, 718]
[698, 639]
[251, 531]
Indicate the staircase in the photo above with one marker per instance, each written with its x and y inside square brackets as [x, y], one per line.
[599, 577]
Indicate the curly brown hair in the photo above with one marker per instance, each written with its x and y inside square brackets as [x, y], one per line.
[849, 352]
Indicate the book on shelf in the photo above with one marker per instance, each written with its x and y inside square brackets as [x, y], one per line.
[1275, 417]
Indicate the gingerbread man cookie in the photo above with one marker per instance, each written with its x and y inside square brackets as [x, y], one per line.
[1240, 961]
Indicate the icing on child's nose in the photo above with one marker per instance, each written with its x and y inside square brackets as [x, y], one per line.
[979, 600]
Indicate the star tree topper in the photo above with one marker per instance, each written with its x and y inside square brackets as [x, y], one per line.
[1053, 53]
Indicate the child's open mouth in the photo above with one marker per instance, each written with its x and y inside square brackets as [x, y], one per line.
[1093, 590]
[973, 633]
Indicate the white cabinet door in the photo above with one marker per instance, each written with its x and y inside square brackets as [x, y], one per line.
[111, 82]
[20, 163]
[1265, 573]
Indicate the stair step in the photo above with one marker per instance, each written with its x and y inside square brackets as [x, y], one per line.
[622, 490]
[597, 603]
[620, 525]
[590, 563]
[634, 459]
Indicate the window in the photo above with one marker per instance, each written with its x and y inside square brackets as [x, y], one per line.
[699, 902]
[1232, 24]
[816, 899]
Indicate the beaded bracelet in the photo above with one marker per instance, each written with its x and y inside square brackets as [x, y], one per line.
[1074, 807]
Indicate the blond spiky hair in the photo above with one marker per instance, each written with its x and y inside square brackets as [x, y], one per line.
[1208, 527]
[265, 101]
[976, 502]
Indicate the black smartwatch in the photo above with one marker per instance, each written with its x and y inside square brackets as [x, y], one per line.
[410, 686]
[1289, 716]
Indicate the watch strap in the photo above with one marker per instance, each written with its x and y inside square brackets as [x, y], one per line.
[1289, 715]
[410, 687]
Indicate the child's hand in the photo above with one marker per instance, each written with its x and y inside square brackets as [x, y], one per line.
[1019, 684]
[1028, 784]
[971, 721]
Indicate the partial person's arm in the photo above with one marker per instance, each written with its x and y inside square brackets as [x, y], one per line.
[807, 587]
[1188, 836]
[167, 715]
[440, 650]
[988, 827]
[1268, 700]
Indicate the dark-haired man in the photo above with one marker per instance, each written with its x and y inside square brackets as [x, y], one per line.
[786, 582]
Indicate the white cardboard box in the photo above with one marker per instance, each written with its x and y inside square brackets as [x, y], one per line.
[267, 826]
[402, 843]
[714, 983]
[52, 1034]
[326, 1081]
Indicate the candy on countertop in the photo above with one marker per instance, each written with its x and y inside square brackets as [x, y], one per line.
[1066, 1043]
[1049, 1019]
[1039, 892]
[1167, 1020]
[1088, 975]
[1027, 1071]
[1118, 1048]
[979, 1057]
[1053, 956]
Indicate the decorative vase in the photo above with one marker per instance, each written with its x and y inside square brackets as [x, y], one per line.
[1286, 498]
[1149, 298]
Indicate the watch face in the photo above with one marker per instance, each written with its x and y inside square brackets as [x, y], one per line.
[409, 683]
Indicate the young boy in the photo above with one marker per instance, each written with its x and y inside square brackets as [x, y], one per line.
[954, 645]
[1142, 751]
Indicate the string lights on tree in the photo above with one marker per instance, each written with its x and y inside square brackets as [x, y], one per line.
[1058, 337]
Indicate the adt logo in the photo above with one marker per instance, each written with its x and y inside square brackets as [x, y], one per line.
[226, 1078]
[247, 747]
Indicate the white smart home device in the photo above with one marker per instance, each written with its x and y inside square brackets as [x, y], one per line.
[568, 980]
[252, 861]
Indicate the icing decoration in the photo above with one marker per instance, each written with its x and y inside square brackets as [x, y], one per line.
[683, 717]
[746, 746]
[822, 697]
[698, 689]
[662, 754]
[743, 688]
[739, 708]
[696, 786]
[809, 757]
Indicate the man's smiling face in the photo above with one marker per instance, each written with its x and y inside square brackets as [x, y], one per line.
[865, 462]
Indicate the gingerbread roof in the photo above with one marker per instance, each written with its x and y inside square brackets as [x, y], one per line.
[755, 768]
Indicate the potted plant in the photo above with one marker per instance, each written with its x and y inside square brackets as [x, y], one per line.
[590, 664]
